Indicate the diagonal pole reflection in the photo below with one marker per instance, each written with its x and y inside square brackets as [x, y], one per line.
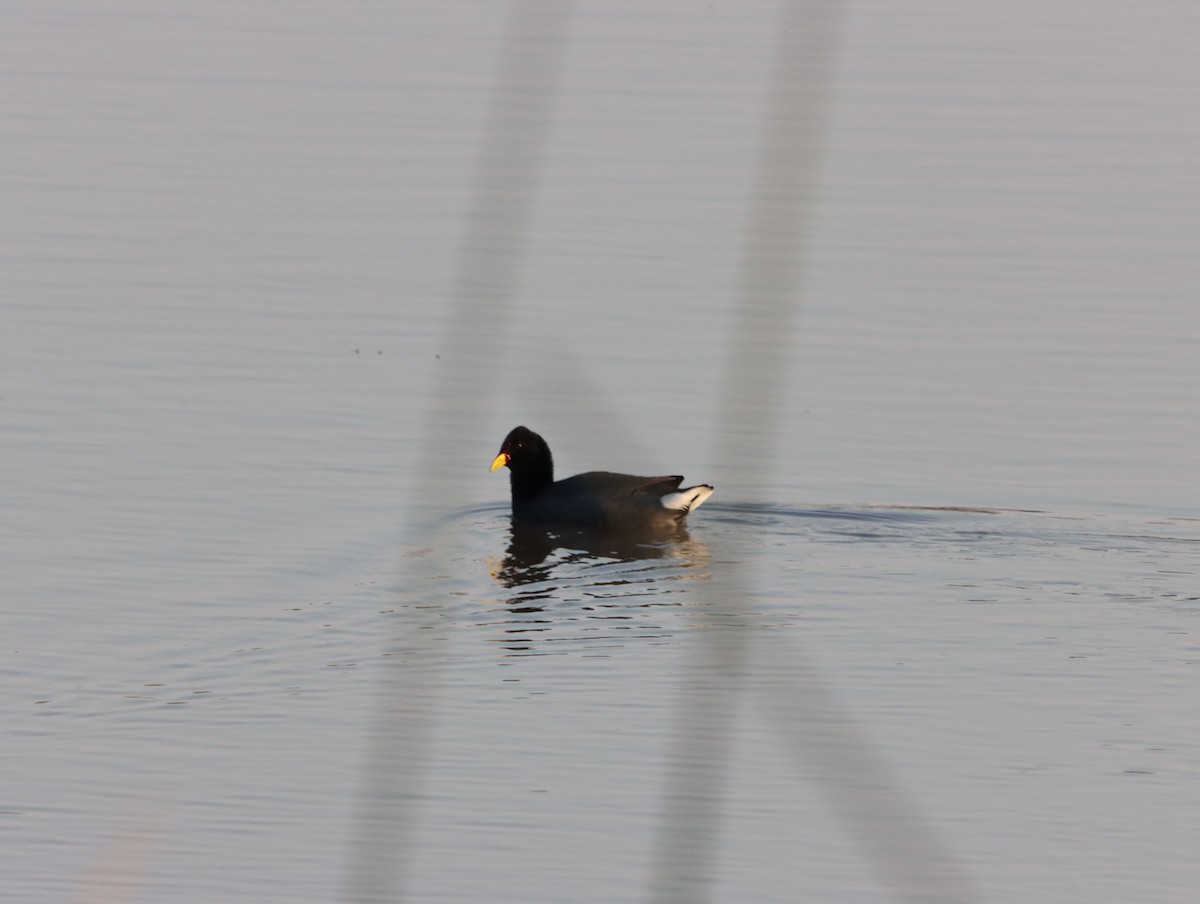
[852, 777]
[512, 148]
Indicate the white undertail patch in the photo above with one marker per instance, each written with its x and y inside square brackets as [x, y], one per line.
[688, 498]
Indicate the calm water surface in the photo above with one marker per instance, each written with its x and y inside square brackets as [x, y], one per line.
[268, 632]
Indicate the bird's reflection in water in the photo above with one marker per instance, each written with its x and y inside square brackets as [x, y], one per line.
[565, 580]
[535, 552]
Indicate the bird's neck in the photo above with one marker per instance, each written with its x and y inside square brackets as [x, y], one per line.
[527, 483]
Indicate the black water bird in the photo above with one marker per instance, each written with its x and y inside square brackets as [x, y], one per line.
[598, 499]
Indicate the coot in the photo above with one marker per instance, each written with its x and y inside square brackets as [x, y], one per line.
[597, 499]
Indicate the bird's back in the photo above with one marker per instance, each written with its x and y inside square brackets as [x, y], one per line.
[610, 500]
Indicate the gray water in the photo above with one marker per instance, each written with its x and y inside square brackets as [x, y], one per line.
[266, 635]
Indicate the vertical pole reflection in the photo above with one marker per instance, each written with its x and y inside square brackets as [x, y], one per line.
[511, 153]
[853, 780]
